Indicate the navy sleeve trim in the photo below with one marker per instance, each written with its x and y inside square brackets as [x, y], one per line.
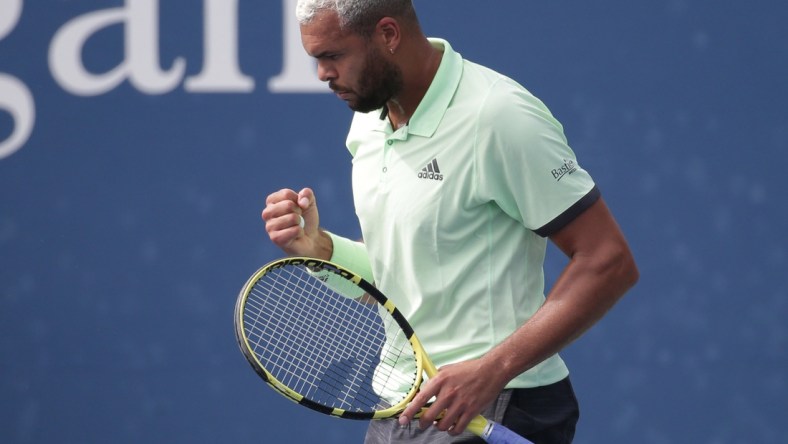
[570, 214]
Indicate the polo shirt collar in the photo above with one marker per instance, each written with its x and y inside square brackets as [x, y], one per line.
[428, 115]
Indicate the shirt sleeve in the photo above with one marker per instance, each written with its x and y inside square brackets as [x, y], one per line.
[524, 163]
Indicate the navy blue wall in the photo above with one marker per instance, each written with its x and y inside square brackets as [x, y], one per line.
[129, 216]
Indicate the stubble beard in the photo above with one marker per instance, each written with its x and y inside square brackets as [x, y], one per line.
[380, 81]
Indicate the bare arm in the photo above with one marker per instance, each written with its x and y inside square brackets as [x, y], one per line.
[600, 270]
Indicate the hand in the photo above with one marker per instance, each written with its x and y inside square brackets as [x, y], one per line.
[461, 392]
[283, 215]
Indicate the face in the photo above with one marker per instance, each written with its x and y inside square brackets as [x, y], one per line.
[355, 68]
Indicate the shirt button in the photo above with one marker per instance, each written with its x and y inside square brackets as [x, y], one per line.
[385, 169]
[390, 142]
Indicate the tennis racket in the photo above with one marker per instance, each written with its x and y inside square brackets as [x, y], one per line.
[329, 340]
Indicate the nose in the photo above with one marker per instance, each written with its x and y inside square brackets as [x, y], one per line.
[325, 71]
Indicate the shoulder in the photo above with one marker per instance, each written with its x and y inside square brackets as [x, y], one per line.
[502, 103]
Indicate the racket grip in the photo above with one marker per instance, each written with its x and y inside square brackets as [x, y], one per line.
[495, 433]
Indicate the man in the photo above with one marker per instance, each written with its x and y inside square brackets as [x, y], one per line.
[459, 176]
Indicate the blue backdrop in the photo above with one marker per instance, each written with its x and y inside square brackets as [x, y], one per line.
[138, 141]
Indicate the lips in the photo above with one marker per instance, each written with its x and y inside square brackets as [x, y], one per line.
[343, 94]
[338, 90]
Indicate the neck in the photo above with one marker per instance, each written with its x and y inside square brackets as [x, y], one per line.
[397, 114]
[419, 66]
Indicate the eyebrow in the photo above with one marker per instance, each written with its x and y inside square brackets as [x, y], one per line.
[326, 53]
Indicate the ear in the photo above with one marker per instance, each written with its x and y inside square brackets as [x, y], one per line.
[389, 32]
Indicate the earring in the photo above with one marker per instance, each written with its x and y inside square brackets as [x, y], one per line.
[391, 50]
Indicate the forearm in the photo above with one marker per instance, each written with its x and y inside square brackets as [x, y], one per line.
[351, 255]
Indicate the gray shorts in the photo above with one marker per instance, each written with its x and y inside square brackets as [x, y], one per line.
[546, 415]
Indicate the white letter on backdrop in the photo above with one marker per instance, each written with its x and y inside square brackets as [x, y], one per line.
[15, 98]
[299, 71]
[140, 64]
[220, 71]
[12, 10]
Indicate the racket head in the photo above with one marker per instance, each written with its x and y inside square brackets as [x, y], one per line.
[327, 339]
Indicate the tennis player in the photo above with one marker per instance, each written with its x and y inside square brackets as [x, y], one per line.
[460, 175]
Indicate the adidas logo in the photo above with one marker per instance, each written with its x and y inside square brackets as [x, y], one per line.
[431, 171]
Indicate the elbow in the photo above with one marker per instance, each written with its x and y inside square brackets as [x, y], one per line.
[626, 270]
[615, 266]
[632, 274]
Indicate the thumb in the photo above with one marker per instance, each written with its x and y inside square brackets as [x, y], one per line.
[308, 205]
[306, 198]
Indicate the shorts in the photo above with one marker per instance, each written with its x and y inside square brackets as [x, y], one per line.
[544, 415]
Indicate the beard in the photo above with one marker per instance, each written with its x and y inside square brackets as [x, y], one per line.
[380, 80]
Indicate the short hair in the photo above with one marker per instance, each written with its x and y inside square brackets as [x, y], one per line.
[360, 16]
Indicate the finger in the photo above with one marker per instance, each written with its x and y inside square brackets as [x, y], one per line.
[306, 198]
[419, 401]
[433, 413]
[284, 236]
[280, 203]
[286, 221]
[461, 424]
[283, 222]
[446, 422]
[433, 416]
[283, 194]
[285, 208]
[410, 412]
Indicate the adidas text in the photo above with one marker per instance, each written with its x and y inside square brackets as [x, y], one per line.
[432, 171]
[433, 176]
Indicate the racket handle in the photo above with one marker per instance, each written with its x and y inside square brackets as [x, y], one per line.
[495, 433]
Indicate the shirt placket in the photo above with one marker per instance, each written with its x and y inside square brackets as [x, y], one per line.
[390, 143]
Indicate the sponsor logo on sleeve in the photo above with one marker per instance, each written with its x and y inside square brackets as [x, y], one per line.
[567, 168]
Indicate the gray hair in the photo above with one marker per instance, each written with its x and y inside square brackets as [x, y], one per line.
[359, 16]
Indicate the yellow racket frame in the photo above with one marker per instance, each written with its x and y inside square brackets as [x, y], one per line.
[479, 425]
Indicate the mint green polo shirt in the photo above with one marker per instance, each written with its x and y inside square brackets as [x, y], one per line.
[454, 208]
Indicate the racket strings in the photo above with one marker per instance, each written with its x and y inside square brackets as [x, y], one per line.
[288, 354]
[295, 373]
[302, 372]
[348, 385]
[330, 348]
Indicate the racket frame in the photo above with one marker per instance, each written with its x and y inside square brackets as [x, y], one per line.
[422, 362]
[479, 425]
